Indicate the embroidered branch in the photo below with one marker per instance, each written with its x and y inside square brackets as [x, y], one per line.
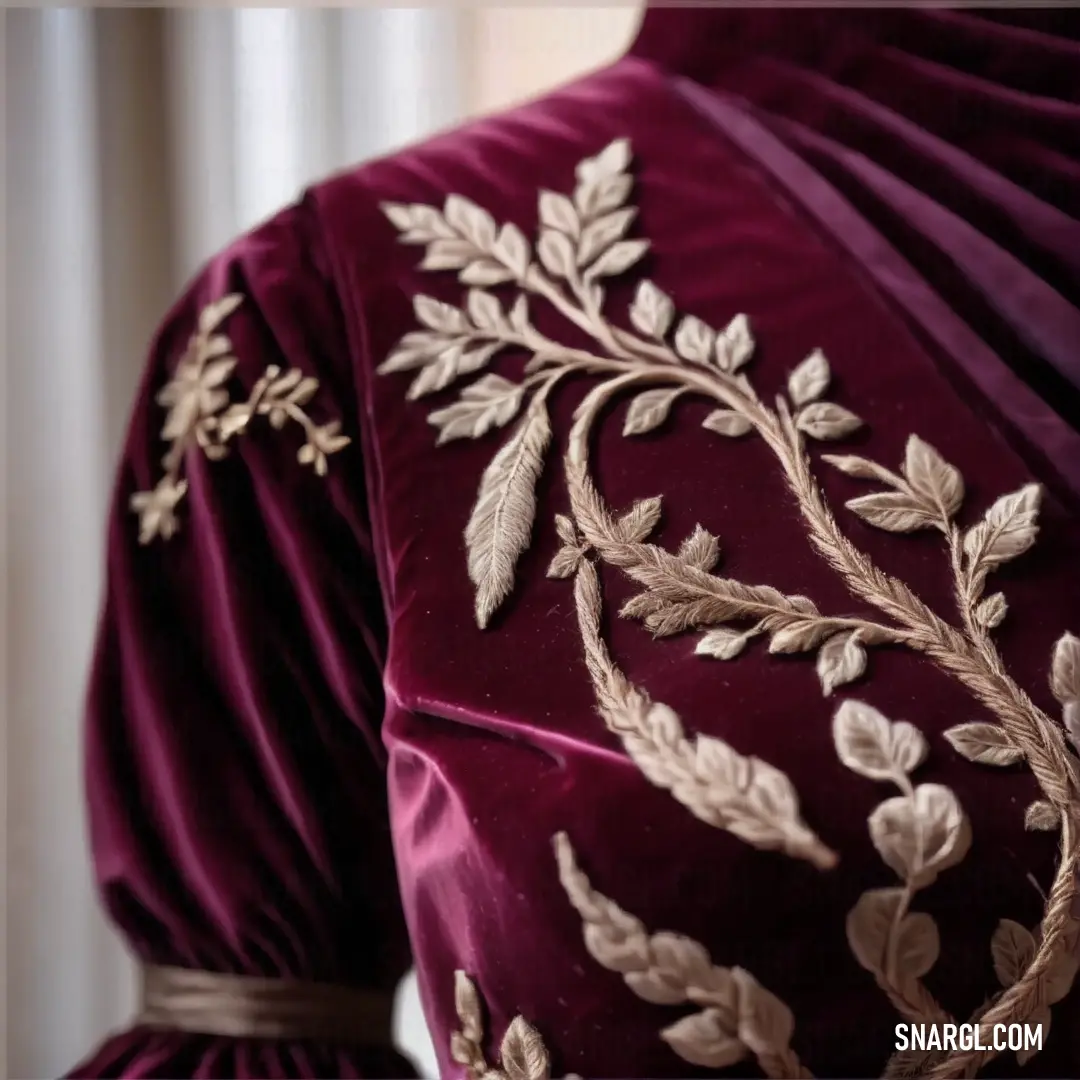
[744, 795]
[738, 1017]
[919, 834]
[583, 240]
[522, 1054]
[200, 416]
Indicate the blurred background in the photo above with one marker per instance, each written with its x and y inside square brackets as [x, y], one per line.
[137, 141]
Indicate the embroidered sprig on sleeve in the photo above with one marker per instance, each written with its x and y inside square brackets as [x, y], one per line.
[202, 417]
[655, 356]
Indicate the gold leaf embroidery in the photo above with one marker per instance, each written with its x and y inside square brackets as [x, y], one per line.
[680, 592]
[502, 519]
[810, 379]
[984, 743]
[918, 835]
[649, 410]
[522, 1053]
[197, 416]
[1042, 816]
[738, 1018]
[1065, 684]
[1013, 948]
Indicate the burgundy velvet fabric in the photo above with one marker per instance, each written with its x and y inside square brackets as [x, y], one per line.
[897, 188]
[235, 773]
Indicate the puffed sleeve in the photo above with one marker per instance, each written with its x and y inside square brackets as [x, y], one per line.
[234, 767]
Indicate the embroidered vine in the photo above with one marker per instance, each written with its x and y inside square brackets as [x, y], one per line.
[919, 834]
[200, 416]
[583, 240]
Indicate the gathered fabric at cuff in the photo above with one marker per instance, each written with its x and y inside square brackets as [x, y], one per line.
[253, 1007]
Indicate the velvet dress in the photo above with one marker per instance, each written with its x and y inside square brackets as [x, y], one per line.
[621, 555]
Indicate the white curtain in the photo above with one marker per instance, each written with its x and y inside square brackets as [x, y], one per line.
[136, 143]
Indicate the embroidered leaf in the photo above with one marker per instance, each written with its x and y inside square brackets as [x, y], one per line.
[765, 1022]
[702, 1039]
[723, 644]
[641, 606]
[502, 519]
[566, 562]
[1065, 669]
[467, 1004]
[652, 311]
[894, 511]
[523, 1056]
[321, 442]
[638, 523]
[869, 924]
[448, 254]
[453, 362]
[860, 467]
[800, 635]
[649, 410]
[484, 310]
[557, 212]
[1070, 716]
[617, 259]
[672, 963]
[566, 530]
[157, 509]
[612, 160]
[1041, 816]
[824, 420]
[873, 746]
[810, 379]
[471, 221]
[985, 743]
[1007, 530]
[932, 477]
[734, 345]
[991, 612]
[216, 312]
[1012, 948]
[414, 350]
[420, 224]
[918, 946]
[700, 549]
[694, 340]
[601, 195]
[512, 249]
[841, 660]
[921, 835]
[556, 253]
[872, 925]
[462, 1050]
[727, 422]
[489, 402]
[440, 316]
[599, 235]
